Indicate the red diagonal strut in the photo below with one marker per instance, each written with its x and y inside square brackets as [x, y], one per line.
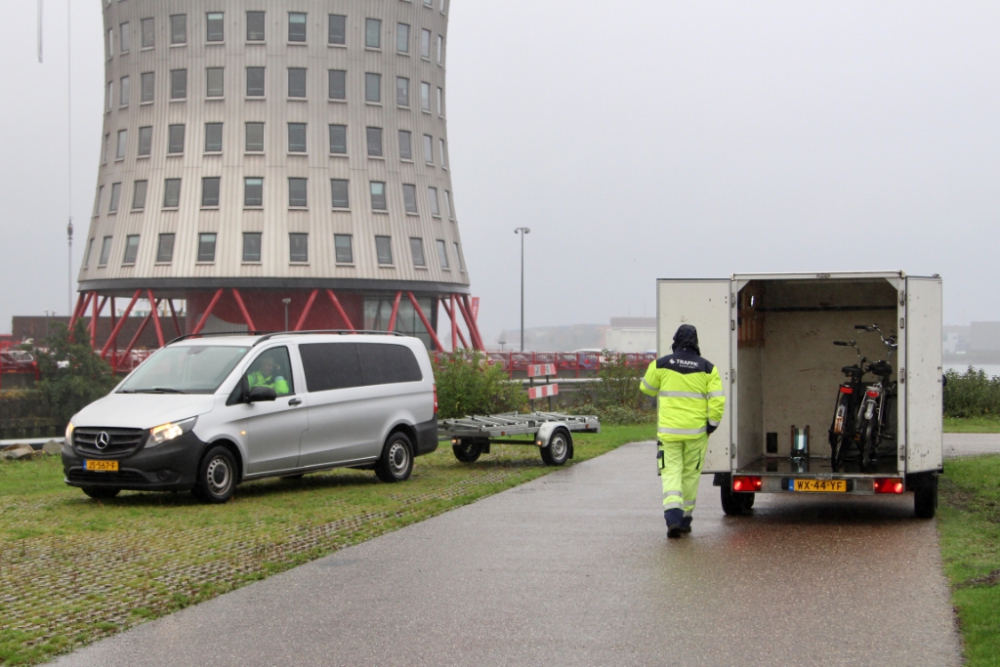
[243, 309]
[395, 312]
[155, 305]
[305, 311]
[135, 338]
[427, 325]
[208, 311]
[455, 328]
[476, 340]
[120, 324]
[173, 314]
[340, 309]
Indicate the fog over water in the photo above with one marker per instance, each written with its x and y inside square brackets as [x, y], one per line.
[640, 140]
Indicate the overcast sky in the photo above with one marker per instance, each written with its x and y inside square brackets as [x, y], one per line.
[637, 140]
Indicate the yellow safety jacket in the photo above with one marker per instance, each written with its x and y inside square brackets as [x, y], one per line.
[689, 393]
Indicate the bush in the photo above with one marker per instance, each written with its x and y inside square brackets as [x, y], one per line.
[971, 394]
[73, 376]
[468, 385]
[618, 384]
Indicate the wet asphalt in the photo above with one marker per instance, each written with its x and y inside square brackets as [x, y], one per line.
[575, 569]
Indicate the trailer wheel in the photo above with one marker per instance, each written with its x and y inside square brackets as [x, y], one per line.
[925, 497]
[557, 451]
[467, 451]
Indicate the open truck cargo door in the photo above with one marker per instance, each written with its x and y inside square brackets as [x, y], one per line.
[705, 305]
[921, 328]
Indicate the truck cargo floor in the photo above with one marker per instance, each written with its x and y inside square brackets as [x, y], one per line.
[783, 465]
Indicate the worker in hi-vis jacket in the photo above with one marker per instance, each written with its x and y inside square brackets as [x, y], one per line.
[690, 405]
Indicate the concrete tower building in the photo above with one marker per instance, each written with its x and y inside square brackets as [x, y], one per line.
[260, 151]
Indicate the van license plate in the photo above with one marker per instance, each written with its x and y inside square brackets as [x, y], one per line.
[821, 485]
[100, 466]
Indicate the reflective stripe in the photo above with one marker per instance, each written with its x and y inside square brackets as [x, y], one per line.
[712, 422]
[682, 431]
[682, 394]
[687, 513]
[672, 506]
[716, 394]
[647, 385]
[673, 493]
[689, 506]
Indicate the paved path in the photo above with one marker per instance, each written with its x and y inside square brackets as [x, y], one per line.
[575, 569]
[970, 444]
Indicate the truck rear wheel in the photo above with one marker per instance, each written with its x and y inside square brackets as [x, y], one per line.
[736, 504]
[925, 497]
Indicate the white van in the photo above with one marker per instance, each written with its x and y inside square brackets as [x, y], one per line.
[206, 413]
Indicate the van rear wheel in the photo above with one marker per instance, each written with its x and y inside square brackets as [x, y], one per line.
[396, 462]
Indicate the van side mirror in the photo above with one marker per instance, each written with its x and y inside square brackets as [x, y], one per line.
[258, 394]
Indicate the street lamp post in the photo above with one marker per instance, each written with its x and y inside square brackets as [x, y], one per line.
[522, 231]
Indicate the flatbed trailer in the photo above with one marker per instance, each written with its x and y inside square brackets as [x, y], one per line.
[551, 432]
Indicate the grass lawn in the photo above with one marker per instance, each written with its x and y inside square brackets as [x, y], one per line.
[969, 524]
[74, 570]
[972, 425]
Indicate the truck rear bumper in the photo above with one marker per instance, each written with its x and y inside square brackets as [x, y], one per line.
[779, 475]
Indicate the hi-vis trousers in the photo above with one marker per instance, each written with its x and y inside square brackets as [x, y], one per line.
[680, 470]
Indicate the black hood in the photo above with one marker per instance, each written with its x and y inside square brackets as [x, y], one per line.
[686, 338]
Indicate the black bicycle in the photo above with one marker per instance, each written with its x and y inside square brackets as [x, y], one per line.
[846, 415]
[878, 402]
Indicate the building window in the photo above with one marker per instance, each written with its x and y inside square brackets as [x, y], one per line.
[107, 147]
[338, 139]
[405, 145]
[402, 91]
[216, 27]
[116, 195]
[410, 197]
[139, 195]
[255, 26]
[443, 254]
[378, 196]
[440, 52]
[255, 137]
[215, 78]
[122, 144]
[447, 203]
[148, 33]
[375, 142]
[425, 96]
[432, 194]
[172, 193]
[338, 84]
[338, 191]
[383, 248]
[440, 101]
[178, 84]
[344, 246]
[373, 87]
[210, 192]
[206, 247]
[165, 249]
[255, 82]
[417, 250]
[296, 27]
[403, 37]
[251, 246]
[105, 251]
[441, 153]
[213, 137]
[175, 139]
[123, 92]
[458, 255]
[373, 33]
[425, 44]
[178, 29]
[86, 257]
[97, 203]
[109, 96]
[253, 192]
[131, 248]
[298, 247]
[297, 193]
[109, 44]
[338, 29]
[147, 81]
[428, 149]
[296, 82]
[296, 137]
[125, 37]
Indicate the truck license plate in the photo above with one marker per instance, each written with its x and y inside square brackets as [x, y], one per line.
[821, 485]
[100, 466]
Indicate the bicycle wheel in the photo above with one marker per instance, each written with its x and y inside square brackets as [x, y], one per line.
[868, 444]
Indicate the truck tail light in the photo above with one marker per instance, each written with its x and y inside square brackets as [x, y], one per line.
[746, 484]
[435, 399]
[889, 485]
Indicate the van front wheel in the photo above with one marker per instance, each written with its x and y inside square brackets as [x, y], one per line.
[216, 481]
[396, 462]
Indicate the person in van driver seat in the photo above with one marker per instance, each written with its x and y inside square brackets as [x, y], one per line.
[264, 375]
[690, 405]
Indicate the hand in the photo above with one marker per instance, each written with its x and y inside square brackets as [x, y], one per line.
[711, 429]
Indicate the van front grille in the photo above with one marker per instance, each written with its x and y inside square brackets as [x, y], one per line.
[109, 442]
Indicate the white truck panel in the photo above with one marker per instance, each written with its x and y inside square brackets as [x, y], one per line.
[923, 386]
[704, 304]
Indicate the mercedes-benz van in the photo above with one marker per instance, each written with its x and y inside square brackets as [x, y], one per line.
[205, 413]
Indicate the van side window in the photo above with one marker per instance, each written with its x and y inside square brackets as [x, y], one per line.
[331, 366]
[388, 364]
[272, 369]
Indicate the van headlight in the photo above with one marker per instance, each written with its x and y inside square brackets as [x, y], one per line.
[69, 433]
[169, 431]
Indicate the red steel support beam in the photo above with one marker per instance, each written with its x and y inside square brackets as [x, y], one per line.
[395, 312]
[476, 340]
[340, 309]
[454, 325]
[473, 324]
[455, 329]
[305, 311]
[208, 311]
[95, 317]
[120, 324]
[155, 306]
[173, 314]
[427, 325]
[81, 306]
[243, 309]
[135, 338]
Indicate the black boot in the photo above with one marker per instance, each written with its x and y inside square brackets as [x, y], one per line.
[674, 519]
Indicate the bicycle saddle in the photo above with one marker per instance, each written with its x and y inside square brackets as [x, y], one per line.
[851, 370]
[881, 368]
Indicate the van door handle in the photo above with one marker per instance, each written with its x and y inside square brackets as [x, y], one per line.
[295, 401]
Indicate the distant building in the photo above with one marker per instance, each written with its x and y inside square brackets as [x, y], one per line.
[631, 334]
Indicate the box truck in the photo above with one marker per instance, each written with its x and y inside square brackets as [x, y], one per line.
[772, 338]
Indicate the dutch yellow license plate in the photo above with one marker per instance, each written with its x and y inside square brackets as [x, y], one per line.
[822, 485]
[100, 466]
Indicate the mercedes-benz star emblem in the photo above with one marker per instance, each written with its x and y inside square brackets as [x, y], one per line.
[103, 440]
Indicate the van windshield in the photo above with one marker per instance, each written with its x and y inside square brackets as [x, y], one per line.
[198, 369]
